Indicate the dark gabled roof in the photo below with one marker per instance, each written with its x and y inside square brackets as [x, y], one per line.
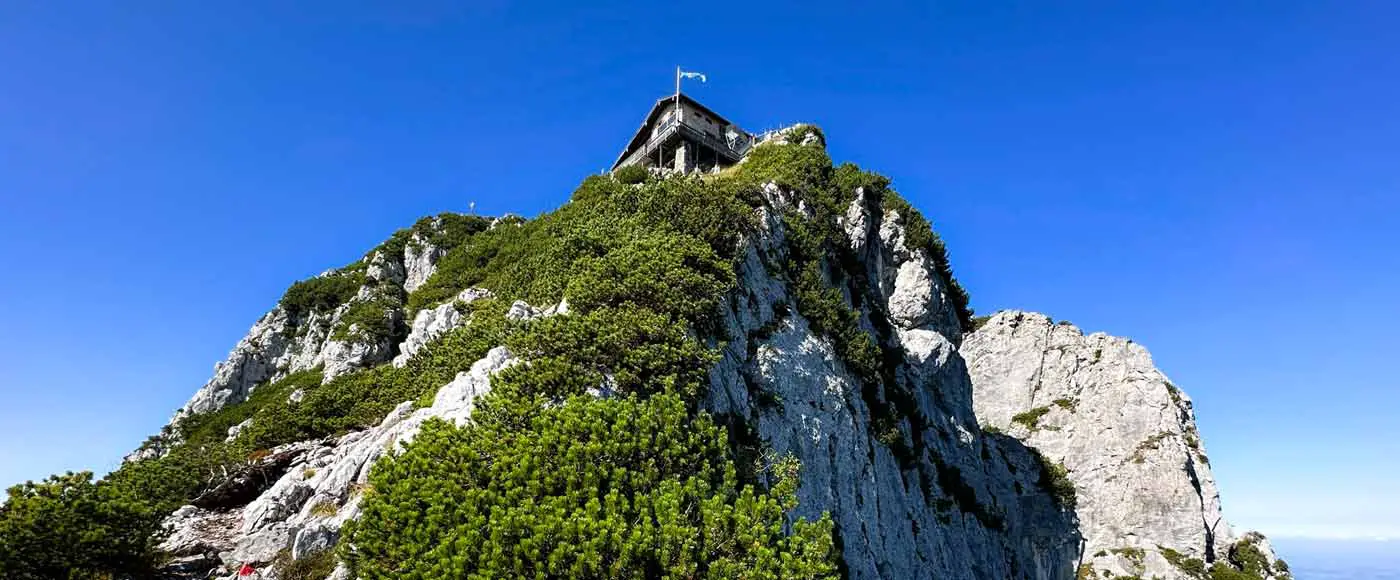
[640, 137]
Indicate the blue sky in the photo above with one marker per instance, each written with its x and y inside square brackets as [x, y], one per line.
[1218, 180]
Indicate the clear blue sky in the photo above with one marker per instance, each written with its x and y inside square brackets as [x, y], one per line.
[1218, 180]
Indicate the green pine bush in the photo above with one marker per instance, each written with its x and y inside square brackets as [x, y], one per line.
[628, 487]
[69, 527]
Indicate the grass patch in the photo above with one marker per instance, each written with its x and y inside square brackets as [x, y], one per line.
[315, 566]
[1152, 443]
[324, 509]
[1030, 419]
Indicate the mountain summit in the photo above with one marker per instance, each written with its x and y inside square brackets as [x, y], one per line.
[760, 370]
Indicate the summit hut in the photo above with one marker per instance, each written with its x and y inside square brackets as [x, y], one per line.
[682, 135]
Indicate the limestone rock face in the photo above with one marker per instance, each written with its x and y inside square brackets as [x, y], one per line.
[1126, 434]
[278, 344]
[955, 503]
[276, 347]
[252, 361]
[420, 260]
[917, 298]
[197, 532]
[431, 323]
[320, 490]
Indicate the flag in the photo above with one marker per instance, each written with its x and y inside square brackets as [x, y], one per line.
[693, 75]
[245, 571]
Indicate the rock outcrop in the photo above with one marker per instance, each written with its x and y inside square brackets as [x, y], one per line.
[282, 342]
[959, 505]
[318, 490]
[431, 323]
[420, 259]
[1126, 435]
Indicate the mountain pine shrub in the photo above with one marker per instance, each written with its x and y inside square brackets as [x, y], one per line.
[69, 527]
[445, 231]
[1054, 478]
[632, 174]
[321, 294]
[627, 487]
[1243, 561]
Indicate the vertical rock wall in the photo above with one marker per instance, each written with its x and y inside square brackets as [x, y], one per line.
[967, 505]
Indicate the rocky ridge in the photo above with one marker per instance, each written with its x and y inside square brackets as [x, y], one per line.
[332, 334]
[915, 486]
[281, 343]
[319, 490]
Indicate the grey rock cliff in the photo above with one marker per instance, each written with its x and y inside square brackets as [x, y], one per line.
[431, 323]
[278, 344]
[965, 505]
[305, 508]
[420, 260]
[1127, 435]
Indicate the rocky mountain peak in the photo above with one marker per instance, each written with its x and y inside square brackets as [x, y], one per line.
[1148, 502]
[775, 361]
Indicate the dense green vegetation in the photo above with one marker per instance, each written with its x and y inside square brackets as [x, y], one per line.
[322, 293]
[549, 482]
[69, 527]
[632, 174]
[630, 487]
[445, 231]
[1054, 479]
[534, 260]
[372, 319]
[1244, 561]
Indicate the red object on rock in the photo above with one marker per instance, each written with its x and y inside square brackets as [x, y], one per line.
[246, 570]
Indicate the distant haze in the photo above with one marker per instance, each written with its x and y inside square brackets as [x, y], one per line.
[1314, 559]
